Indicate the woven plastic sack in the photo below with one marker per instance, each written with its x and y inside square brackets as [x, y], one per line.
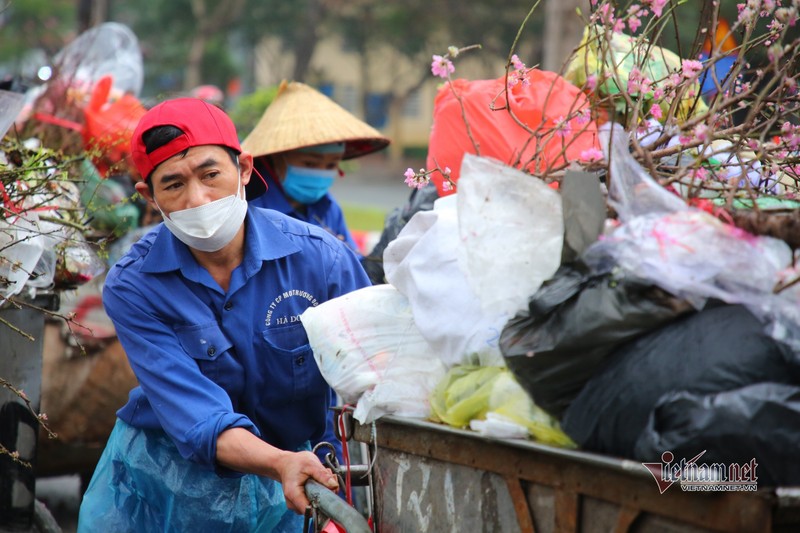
[368, 349]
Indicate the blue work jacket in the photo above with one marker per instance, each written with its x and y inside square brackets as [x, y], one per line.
[325, 212]
[207, 360]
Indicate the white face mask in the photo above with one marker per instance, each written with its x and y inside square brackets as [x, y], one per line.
[209, 227]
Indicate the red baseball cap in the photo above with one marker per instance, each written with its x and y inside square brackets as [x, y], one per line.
[202, 124]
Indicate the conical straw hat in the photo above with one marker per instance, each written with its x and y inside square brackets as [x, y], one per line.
[301, 116]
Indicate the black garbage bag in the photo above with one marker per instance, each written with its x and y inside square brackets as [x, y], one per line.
[574, 322]
[721, 348]
[758, 423]
[418, 200]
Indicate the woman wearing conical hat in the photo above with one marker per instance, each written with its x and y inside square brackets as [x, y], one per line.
[298, 144]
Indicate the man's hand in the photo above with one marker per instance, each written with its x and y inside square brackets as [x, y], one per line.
[240, 450]
[295, 469]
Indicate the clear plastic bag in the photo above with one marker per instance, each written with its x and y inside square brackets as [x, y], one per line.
[21, 247]
[77, 262]
[685, 251]
[632, 191]
[110, 48]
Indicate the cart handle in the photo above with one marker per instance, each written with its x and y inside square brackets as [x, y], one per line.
[335, 508]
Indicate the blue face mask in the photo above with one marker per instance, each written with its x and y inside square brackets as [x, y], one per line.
[307, 185]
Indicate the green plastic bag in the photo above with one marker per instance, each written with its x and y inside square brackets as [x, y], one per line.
[106, 202]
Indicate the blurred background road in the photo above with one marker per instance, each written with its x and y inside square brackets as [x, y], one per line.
[374, 182]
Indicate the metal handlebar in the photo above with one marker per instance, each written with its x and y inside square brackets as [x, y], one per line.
[335, 508]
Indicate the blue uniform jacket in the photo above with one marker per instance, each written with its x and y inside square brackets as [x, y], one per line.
[207, 360]
[325, 212]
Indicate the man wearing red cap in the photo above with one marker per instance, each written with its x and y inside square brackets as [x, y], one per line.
[207, 305]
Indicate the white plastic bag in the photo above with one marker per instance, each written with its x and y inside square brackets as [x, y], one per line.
[473, 261]
[688, 252]
[10, 106]
[368, 349]
[498, 426]
[695, 256]
[423, 263]
[512, 229]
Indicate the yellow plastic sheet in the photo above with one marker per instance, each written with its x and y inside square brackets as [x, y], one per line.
[467, 393]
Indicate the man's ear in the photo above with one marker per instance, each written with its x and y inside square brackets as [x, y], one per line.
[246, 166]
[144, 190]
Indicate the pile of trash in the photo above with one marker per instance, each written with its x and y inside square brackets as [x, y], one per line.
[605, 311]
[664, 332]
[668, 334]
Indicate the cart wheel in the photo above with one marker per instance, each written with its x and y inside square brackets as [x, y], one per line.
[43, 521]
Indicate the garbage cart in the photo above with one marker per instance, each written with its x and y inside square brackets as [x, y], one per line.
[433, 478]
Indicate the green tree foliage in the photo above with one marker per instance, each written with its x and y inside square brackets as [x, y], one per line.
[228, 29]
[184, 42]
[248, 109]
[31, 25]
[164, 31]
[419, 28]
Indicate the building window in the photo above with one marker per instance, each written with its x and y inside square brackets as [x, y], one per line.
[347, 97]
[377, 109]
[413, 105]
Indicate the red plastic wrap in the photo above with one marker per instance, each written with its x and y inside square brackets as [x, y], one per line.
[544, 103]
[109, 125]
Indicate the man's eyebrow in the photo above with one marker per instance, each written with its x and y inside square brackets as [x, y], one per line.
[210, 162]
[166, 179]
